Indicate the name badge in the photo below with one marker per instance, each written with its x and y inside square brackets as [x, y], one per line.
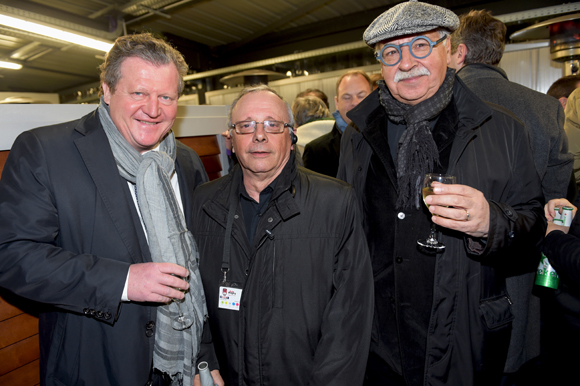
[230, 298]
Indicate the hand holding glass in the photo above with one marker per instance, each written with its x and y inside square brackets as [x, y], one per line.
[431, 242]
[181, 322]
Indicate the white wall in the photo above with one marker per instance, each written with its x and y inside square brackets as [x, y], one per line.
[289, 88]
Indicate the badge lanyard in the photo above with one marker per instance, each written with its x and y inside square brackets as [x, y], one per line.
[230, 294]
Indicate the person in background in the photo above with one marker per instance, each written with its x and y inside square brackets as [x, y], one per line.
[89, 210]
[572, 128]
[284, 261]
[563, 87]
[374, 79]
[561, 333]
[442, 317]
[477, 47]
[314, 92]
[322, 154]
[308, 109]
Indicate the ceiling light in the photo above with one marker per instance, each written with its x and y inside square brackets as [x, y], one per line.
[55, 33]
[12, 66]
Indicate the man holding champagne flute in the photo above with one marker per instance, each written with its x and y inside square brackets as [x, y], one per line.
[442, 315]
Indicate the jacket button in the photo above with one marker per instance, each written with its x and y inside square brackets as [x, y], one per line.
[401, 216]
[360, 168]
[100, 314]
[236, 216]
[508, 212]
[150, 325]
[149, 333]
[86, 311]
[92, 312]
[270, 219]
[511, 234]
[108, 315]
[399, 259]
[150, 383]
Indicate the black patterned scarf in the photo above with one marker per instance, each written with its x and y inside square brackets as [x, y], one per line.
[417, 152]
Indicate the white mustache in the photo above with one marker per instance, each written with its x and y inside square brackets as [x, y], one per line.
[415, 71]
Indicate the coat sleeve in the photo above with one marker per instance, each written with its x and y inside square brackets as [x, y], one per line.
[563, 251]
[341, 355]
[516, 224]
[32, 264]
[557, 178]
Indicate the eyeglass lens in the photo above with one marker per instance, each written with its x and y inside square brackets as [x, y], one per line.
[248, 127]
[420, 48]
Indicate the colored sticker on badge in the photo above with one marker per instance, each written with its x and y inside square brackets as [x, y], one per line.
[229, 298]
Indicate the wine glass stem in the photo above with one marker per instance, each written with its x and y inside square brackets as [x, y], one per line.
[433, 235]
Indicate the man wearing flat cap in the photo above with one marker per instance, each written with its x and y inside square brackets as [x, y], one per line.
[442, 312]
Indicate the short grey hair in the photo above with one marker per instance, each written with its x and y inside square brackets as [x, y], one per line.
[260, 88]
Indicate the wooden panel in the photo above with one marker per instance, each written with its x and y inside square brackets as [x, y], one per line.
[17, 328]
[19, 354]
[211, 163]
[3, 156]
[28, 375]
[8, 310]
[208, 149]
[203, 145]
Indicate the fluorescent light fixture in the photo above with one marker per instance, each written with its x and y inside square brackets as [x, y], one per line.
[55, 33]
[12, 66]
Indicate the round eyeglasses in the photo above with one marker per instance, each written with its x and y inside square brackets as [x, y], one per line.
[420, 47]
[249, 127]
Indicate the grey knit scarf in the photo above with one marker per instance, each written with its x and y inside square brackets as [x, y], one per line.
[417, 153]
[175, 352]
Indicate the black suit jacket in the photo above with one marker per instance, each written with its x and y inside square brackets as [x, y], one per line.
[68, 232]
[321, 154]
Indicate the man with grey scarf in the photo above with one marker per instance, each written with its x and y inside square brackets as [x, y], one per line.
[92, 224]
[442, 317]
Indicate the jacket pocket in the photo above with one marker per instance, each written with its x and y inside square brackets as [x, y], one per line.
[496, 312]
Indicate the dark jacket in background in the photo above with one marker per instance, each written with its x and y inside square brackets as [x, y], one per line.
[307, 299]
[561, 312]
[470, 323]
[69, 231]
[322, 154]
[543, 116]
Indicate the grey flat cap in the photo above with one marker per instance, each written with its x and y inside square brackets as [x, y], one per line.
[408, 18]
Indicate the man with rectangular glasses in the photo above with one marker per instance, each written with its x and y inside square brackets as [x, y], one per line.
[442, 317]
[283, 259]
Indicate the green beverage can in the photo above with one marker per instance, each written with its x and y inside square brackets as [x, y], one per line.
[567, 214]
[558, 215]
[546, 275]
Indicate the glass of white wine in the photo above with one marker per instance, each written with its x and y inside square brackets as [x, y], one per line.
[431, 242]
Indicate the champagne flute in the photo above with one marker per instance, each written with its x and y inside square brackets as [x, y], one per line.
[431, 242]
[181, 322]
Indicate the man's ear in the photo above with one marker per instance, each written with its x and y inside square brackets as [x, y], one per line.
[563, 102]
[460, 54]
[106, 94]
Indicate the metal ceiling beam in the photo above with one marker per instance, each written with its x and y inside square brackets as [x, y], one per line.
[280, 59]
[167, 8]
[287, 18]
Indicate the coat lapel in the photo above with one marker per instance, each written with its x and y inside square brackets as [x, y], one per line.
[96, 152]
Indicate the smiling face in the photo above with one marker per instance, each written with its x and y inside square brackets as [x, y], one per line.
[261, 155]
[144, 104]
[413, 80]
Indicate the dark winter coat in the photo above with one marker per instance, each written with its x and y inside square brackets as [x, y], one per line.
[307, 299]
[470, 323]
